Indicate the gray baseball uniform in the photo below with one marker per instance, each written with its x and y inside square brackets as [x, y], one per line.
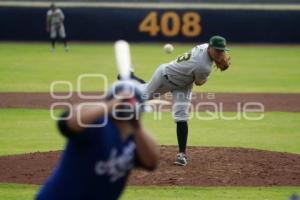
[178, 77]
[56, 18]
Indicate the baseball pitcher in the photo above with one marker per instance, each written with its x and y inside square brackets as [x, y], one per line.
[178, 77]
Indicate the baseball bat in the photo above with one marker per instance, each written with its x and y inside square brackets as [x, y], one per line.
[123, 59]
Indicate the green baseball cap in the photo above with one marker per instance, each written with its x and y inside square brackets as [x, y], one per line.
[218, 42]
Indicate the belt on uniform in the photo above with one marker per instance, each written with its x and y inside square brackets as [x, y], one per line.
[166, 76]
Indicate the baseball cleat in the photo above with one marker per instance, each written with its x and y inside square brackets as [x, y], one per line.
[181, 159]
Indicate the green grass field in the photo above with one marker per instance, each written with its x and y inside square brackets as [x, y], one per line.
[34, 130]
[26, 67]
[27, 192]
[32, 67]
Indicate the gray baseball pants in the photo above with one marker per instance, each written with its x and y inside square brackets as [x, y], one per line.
[159, 85]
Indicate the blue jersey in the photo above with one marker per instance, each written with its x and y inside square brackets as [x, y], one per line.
[94, 165]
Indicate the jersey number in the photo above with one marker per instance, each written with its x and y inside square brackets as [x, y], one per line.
[184, 57]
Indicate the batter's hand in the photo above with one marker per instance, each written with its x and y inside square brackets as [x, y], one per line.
[223, 63]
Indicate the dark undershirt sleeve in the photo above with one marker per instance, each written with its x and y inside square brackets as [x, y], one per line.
[81, 137]
[87, 135]
[63, 127]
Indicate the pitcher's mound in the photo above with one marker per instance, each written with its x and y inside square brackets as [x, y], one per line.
[207, 166]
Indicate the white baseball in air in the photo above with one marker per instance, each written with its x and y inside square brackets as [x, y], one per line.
[168, 48]
[122, 52]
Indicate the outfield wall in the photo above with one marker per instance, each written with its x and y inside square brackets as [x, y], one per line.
[155, 22]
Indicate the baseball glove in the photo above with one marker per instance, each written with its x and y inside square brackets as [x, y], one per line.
[223, 63]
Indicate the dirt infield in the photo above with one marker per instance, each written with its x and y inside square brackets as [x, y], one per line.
[207, 166]
[228, 102]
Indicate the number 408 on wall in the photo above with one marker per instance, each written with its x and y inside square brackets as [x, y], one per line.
[171, 24]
